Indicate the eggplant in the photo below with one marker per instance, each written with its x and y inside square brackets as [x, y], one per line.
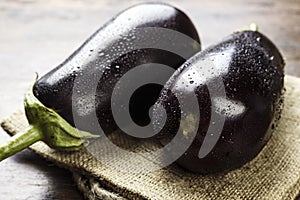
[239, 80]
[111, 51]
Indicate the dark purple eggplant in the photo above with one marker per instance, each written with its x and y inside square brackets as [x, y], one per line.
[251, 70]
[98, 55]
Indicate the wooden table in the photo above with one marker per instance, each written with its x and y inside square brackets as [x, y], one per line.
[36, 35]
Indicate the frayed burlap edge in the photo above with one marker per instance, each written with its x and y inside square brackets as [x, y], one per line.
[93, 189]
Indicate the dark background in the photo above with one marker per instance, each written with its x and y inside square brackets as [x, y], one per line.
[36, 36]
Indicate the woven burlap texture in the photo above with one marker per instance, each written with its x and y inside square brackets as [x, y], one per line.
[273, 174]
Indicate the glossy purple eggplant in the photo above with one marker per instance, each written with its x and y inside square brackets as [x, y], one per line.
[111, 51]
[251, 71]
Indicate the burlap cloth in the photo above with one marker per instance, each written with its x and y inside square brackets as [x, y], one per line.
[273, 174]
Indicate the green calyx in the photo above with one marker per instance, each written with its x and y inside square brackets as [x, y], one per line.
[45, 125]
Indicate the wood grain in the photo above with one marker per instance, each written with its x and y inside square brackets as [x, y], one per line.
[36, 36]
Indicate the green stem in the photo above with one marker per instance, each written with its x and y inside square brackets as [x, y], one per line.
[251, 27]
[19, 142]
[45, 125]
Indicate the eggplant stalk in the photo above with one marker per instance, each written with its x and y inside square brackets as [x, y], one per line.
[19, 142]
[47, 126]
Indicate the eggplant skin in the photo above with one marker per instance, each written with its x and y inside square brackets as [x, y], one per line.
[55, 89]
[252, 70]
